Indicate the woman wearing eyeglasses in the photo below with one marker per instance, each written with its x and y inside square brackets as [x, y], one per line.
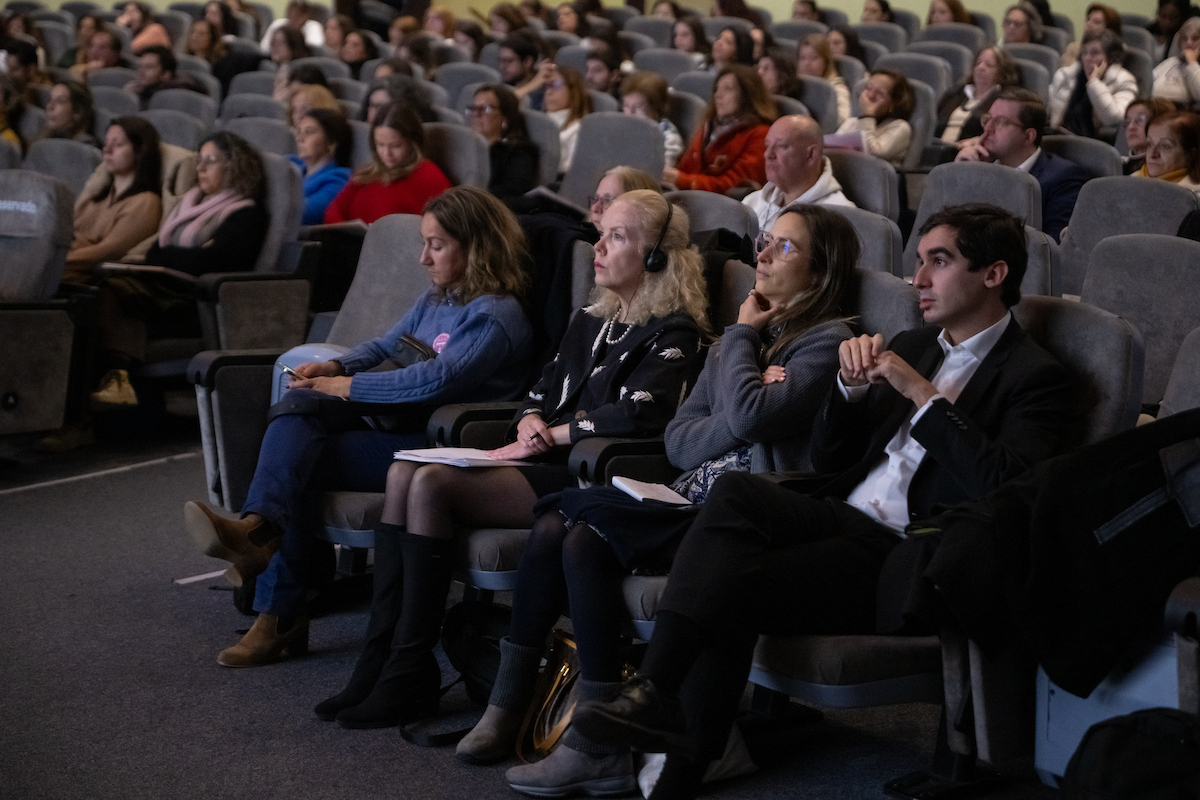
[566, 102]
[496, 116]
[751, 410]
[616, 182]
[885, 104]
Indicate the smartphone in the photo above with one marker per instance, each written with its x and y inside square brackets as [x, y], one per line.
[289, 371]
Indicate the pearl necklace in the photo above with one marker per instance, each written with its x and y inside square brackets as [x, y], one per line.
[608, 329]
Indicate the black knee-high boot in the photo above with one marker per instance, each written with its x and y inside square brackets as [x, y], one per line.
[409, 686]
[386, 605]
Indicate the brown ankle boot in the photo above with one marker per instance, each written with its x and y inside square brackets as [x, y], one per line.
[247, 543]
[264, 644]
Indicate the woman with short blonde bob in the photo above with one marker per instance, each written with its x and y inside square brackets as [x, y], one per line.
[621, 369]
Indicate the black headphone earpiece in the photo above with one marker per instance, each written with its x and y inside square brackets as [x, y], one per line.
[656, 259]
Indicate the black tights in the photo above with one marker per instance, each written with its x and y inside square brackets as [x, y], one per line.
[576, 565]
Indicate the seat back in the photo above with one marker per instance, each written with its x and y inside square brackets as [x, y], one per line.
[788, 106]
[869, 182]
[985, 23]
[1142, 66]
[1109, 206]
[974, 182]
[112, 76]
[1043, 261]
[960, 59]
[1151, 280]
[971, 37]
[193, 64]
[177, 128]
[820, 98]
[387, 282]
[268, 135]
[360, 153]
[878, 237]
[907, 20]
[708, 211]
[559, 38]
[696, 82]
[1102, 351]
[10, 155]
[59, 36]
[892, 36]
[438, 96]
[664, 61]
[459, 152]
[1183, 387]
[348, 89]
[331, 67]
[659, 30]
[634, 42]
[573, 56]
[544, 133]
[254, 83]
[32, 123]
[797, 28]
[872, 52]
[285, 208]
[884, 303]
[608, 140]
[177, 25]
[685, 110]
[851, 70]
[930, 70]
[1100, 159]
[714, 25]
[1056, 39]
[237, 106]
[70, 161]
[36, 228]
[1138, 37]
[1048, 57]
[453, 77]
[1063, 22]
[603, 101]
[1035, 78]
[194, 104]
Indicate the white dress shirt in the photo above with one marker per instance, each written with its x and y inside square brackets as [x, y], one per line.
[883, 494]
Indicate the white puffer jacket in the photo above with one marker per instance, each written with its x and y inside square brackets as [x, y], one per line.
[1110, 97]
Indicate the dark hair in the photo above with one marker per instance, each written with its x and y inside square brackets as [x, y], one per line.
[397, 65]
[743, 44]
[886, 8]
[515, 130]
[475, 31]
[405, 91]
[1114, 48]
[12, 105]
[25, 52]
[579, 101]
[419, 51]
[958, 12]
[903, 99]
[985, 234]
[854, 48]
[1031, 111]
[114, 40]
[295, 42]
[523, 45]
[370, 50]
[145, 10]
[404, 121]
[345, 22]
[676, 11]
[738, 8]
[246, 171]
[785, 67]
[308, 74]
[216, 48]
[166, 59]
[606, 56]
[229, 23]
[755, 100]
[337, 132]
[510, 14]
[1112, 17]
[81, 103]
[650, 85]
[147, 158]
[703, 45]
[1186, 127]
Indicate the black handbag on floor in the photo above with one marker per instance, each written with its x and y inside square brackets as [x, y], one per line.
[1147, 755]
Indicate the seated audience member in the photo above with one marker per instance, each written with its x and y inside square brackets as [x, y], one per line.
[762, 558]
[399, 179]
[764, 41]
[127, 209]
[752, 411]
[1137, 119]
[1096, 18]
[959, 109]
[1022, 24]
[474, 254]
[1087, 98]
[393, 66]
[138, 19]
[877, 11]
[613, 352]
[504, 19]
[844, 43]
[645, 94]
[397, 89]
[221, 16]
[1167, 21]
[336, 29]
[886, 103]
[104, 51]
[567, 103]
[1173, 149]
[667, 9]
[735, 8]
[732, 46]
[943, 11]
[1012, 136]
[70, 113]
[688, 35]
[517, 60]
[22, 62]
[287, 46]
[797, 171]
[616, 182]
[440, 21]
[727, 150]
[814, 59]
[219, 225]
[778, 72]
[307, 97]
[323, 144]
[415, 48]
[12, 108]
[469, 38]
[1177, 78]
[496, 115]
[568, 20]
[204, 41]
[806, 11]
[357, 50]
[534, 9]
[85, 27]
[298, 18]
[402, 27]
[158, 69]
[603, 72]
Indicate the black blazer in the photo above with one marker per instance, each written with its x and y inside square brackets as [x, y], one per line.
[1014, 412]
[1061, 181]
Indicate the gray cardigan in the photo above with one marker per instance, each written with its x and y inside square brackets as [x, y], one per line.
[731, 407]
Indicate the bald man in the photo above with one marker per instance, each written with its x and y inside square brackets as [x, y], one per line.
[797, 171]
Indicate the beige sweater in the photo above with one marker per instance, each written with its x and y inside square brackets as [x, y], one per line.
[107, 228]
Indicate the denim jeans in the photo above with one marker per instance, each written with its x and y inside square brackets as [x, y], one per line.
[301, 456]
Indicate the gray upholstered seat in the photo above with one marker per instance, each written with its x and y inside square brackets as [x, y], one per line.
[603, 101]
[907, 20]
[879, 238]
[1100, 159]
[969, 36]
[930, 70]
[973, 182]
[251, 105]
[986, 23]
[710, 210]
[1063, 22]
[112, 76]
[892, 36]
[820, 99]
[59, 37]
[714, 25]
[960, 59]
[459, 152]
[835, 17]
[666, 62]
[685, 110]
[348, 89]
[268, 135]
[1153, 281]
[438, 95]
[360, 152]
[869, 182]
[261, 83]
[560, 38]
[659, 30]
[620, 15]
[331, 67]
[1139, 37]
[449, 117]
[10, 155]
[1043, 261]
[1035, 78]
[635, 42]
[697, 82]
[1183, 387]
[1141, 65]
[176, 127]
[1110, 206]
[872, 52]
[851, 70]
[177, 25]
[1048, 57]
[788, 106]
[453, 77]
[608, 140]
[544, 133]
[193, 104]
[573, 56]
[193, 64]
[444, 53]
[70, 161]
[797, 29]
[1057, 39]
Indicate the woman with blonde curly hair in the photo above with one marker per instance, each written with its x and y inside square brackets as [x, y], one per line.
[751, 410]
[621, 369]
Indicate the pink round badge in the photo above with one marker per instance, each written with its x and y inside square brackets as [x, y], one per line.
[439, 344]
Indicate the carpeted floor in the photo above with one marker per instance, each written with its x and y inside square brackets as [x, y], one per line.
[109, 687]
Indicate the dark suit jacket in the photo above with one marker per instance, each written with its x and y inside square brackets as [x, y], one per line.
[1014, 412]
[1061, 181]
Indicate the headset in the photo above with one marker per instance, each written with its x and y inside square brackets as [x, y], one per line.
[656, 260]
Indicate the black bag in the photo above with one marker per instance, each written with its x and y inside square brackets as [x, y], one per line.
[1147, 755]
[471, 636]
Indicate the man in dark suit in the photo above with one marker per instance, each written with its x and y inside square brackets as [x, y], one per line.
[944, 414]
[1012, 136]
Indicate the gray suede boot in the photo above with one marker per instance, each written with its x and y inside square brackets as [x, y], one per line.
[494, 737]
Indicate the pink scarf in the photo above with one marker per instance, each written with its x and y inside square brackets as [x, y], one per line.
[194, 221]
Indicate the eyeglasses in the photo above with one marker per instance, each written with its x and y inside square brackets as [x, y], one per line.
[605, 200]
[783, 247]
[557, 83]
[208, 161]
[480, 110]
[988, 120]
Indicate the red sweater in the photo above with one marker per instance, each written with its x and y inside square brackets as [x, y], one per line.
[735, 157]
[370, 201]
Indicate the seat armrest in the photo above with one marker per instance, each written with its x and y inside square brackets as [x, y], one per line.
[202, 369]
[112, 268]
[594, 458]
[447, 422]
[1183, 608]
[208, 285]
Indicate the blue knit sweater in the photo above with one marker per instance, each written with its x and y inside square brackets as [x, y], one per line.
[483, 353]
[320, 188]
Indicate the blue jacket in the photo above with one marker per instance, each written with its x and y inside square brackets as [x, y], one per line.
[320, 188]
[1061, 181]
[483, 353]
